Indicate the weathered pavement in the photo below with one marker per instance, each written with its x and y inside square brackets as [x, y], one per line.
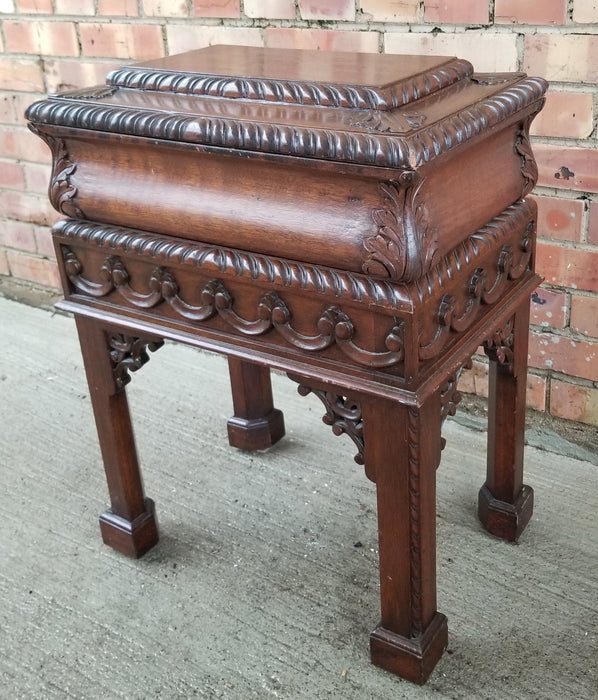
[264, 584]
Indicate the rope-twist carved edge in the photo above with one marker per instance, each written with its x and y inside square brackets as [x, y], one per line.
[339, 145]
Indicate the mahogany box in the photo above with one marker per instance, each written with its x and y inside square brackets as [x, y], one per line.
[360, 222]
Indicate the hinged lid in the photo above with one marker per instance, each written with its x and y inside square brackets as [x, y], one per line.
[370, 109]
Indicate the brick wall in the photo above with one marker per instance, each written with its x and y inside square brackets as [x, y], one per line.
[52, 45]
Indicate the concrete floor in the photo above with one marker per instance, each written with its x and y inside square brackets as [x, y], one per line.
[264, 584]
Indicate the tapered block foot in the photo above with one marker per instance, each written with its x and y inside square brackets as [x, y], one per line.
[410, 658]
[502, 519]
[133, 538]
[256, 433]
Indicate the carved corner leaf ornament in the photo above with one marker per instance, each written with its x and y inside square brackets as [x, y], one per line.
[405, 245]
[62, 191]
[529, 168]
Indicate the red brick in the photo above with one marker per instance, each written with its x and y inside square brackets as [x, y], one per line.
[11, 175]
[574, 402]
[13, 106]
[43, 241]
[563, 354]
[8, 114]
[549, 308]
[37, 177]
[216, 8]
[331, 10]
[4, 269]
[584, 315]
[535, 396]
[593, 225]
[75, 7]
[488, 52]
[463, 12]
[30, 7]
[19, 235]
[585, 11]
[521, 12]
[136, 41]
[46, 38]
[18, 143]
[567, 168]
[33, 269]
[475, 381]
[165, 8]
[270, 9]
[21, 74]
[560, 219]
[120, 8]
[560, 57]
[390, 10]
[23, 206]
[566, 115]
[322, 39]
[565, 266]
[70, 75]
[186, 37]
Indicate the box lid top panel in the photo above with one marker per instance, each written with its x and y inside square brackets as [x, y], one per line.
[351, 80]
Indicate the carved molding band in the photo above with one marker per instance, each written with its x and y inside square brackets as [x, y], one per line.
[295, 91]
[485, 287]
[333, 327]
[343, 145]
[404, 246]
[343, 415]
[414, 456]
[128, 354]
[217, 260]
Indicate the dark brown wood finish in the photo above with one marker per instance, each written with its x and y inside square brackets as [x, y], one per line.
[256, 424]
[360, 222]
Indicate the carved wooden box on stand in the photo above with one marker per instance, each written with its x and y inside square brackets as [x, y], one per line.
[358, 221]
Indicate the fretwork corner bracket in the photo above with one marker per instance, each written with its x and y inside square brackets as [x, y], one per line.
[450, 396]
[128, 354]
[499, 346]
[343, 415]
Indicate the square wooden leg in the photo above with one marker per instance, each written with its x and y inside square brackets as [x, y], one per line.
[505, 503]
[402, 452]
[130, 524]
[256, 424]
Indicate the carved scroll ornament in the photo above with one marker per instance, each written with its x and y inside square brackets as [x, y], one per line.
[499, 346]
[529, 168]
[333, 327]
[405, 245]
[128, 354]
[343, 415]
[61, 191]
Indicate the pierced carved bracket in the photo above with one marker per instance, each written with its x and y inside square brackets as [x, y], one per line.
[405, 244]
[499, 346]
[333, 327]
[343, 415]
[128, 354]
[450, 396]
